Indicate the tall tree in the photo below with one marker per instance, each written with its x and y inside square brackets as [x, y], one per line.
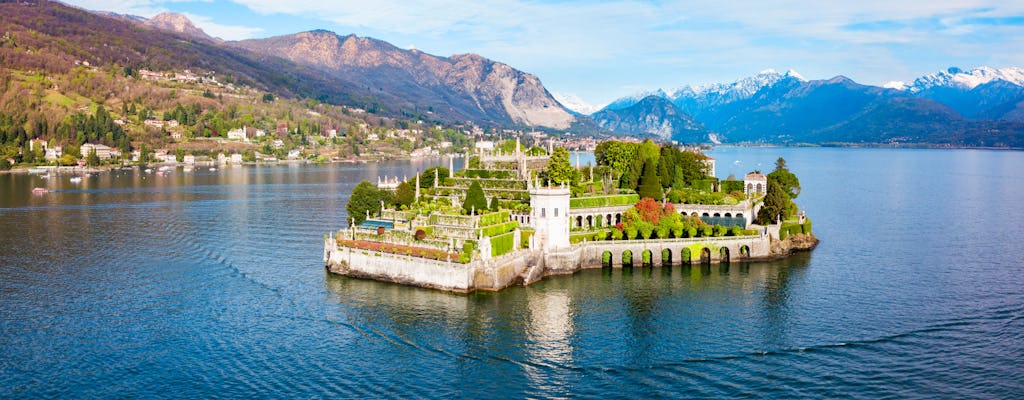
[786, 179]
[650, 184]
[475, 199]
[92, 159]
[776, 204]
[559, 170]
[405, 194]
[365, 198]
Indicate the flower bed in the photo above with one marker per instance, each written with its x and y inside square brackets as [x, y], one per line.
[433, 254]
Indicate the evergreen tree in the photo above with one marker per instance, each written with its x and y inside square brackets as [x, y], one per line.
[27, 155]
[428, 176]
[92, 159]
[650, 184]
[776, 203]
[494, 204]
[786, 180]
[559, 170]
[365, 198]
[405, 194]
[475, 199]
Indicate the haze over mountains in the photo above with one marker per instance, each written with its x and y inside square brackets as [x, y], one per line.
[979, 107]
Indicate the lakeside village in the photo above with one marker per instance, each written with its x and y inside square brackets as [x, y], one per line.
[512, 218]
[93, 119]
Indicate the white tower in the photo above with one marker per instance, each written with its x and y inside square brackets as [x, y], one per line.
[550, 216]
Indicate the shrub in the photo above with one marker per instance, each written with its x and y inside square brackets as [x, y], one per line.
[719, 230]
[735, 231]
[631, 232]
[380, 230]
[467, 251]
[730, 186]
[706, 231]
[502, 244]
[420, 234]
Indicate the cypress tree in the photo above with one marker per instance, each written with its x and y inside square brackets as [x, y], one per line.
[650, 185]
[475, 199]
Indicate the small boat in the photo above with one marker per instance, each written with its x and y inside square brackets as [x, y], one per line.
[39, 190]
[212, 169]
[148, 170]
[76, 179]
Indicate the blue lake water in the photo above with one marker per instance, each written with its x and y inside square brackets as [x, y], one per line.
[211, 284]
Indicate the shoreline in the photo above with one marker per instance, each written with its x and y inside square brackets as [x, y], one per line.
[527, 266]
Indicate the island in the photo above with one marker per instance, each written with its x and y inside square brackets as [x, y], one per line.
[513, 216]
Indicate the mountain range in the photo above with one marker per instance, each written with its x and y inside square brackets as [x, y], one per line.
[346, 70]
[979, 107]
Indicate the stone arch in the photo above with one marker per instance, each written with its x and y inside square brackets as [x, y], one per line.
[694, 214]
[579, 221]
[717, 215]
[627, 259]
[760, 188]
[745, 251]
[705, 215]
[608, 222]
[739, 215]
[590, 221]
[705, 256]
[606, 259]
[618, 218]
[685, 257]
[723, 255]
[647, 258]
[728, 215]
[750, 188]
[666, 257]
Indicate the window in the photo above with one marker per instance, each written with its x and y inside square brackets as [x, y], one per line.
[556, 211]
[542, 213]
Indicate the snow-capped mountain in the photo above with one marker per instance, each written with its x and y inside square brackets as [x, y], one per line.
[957, 78]
[694, 98]
[629, 101]
[575, 103]
[743, 88]
[983, 92]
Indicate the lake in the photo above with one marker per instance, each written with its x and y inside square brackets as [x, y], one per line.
[211, 284]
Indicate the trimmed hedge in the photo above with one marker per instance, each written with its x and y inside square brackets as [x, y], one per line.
[706, 185]
[524, 238]
[732, 186]
[495, 230]
[789, 229]
[494, 218]
[502, 244]
[467, 251]
[604, 201]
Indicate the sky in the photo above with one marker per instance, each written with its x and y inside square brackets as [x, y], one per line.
[603, 50]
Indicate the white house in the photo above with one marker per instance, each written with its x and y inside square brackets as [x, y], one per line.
[755, 183]
[102, 151]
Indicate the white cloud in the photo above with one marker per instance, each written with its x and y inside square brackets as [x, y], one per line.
[226, 32]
